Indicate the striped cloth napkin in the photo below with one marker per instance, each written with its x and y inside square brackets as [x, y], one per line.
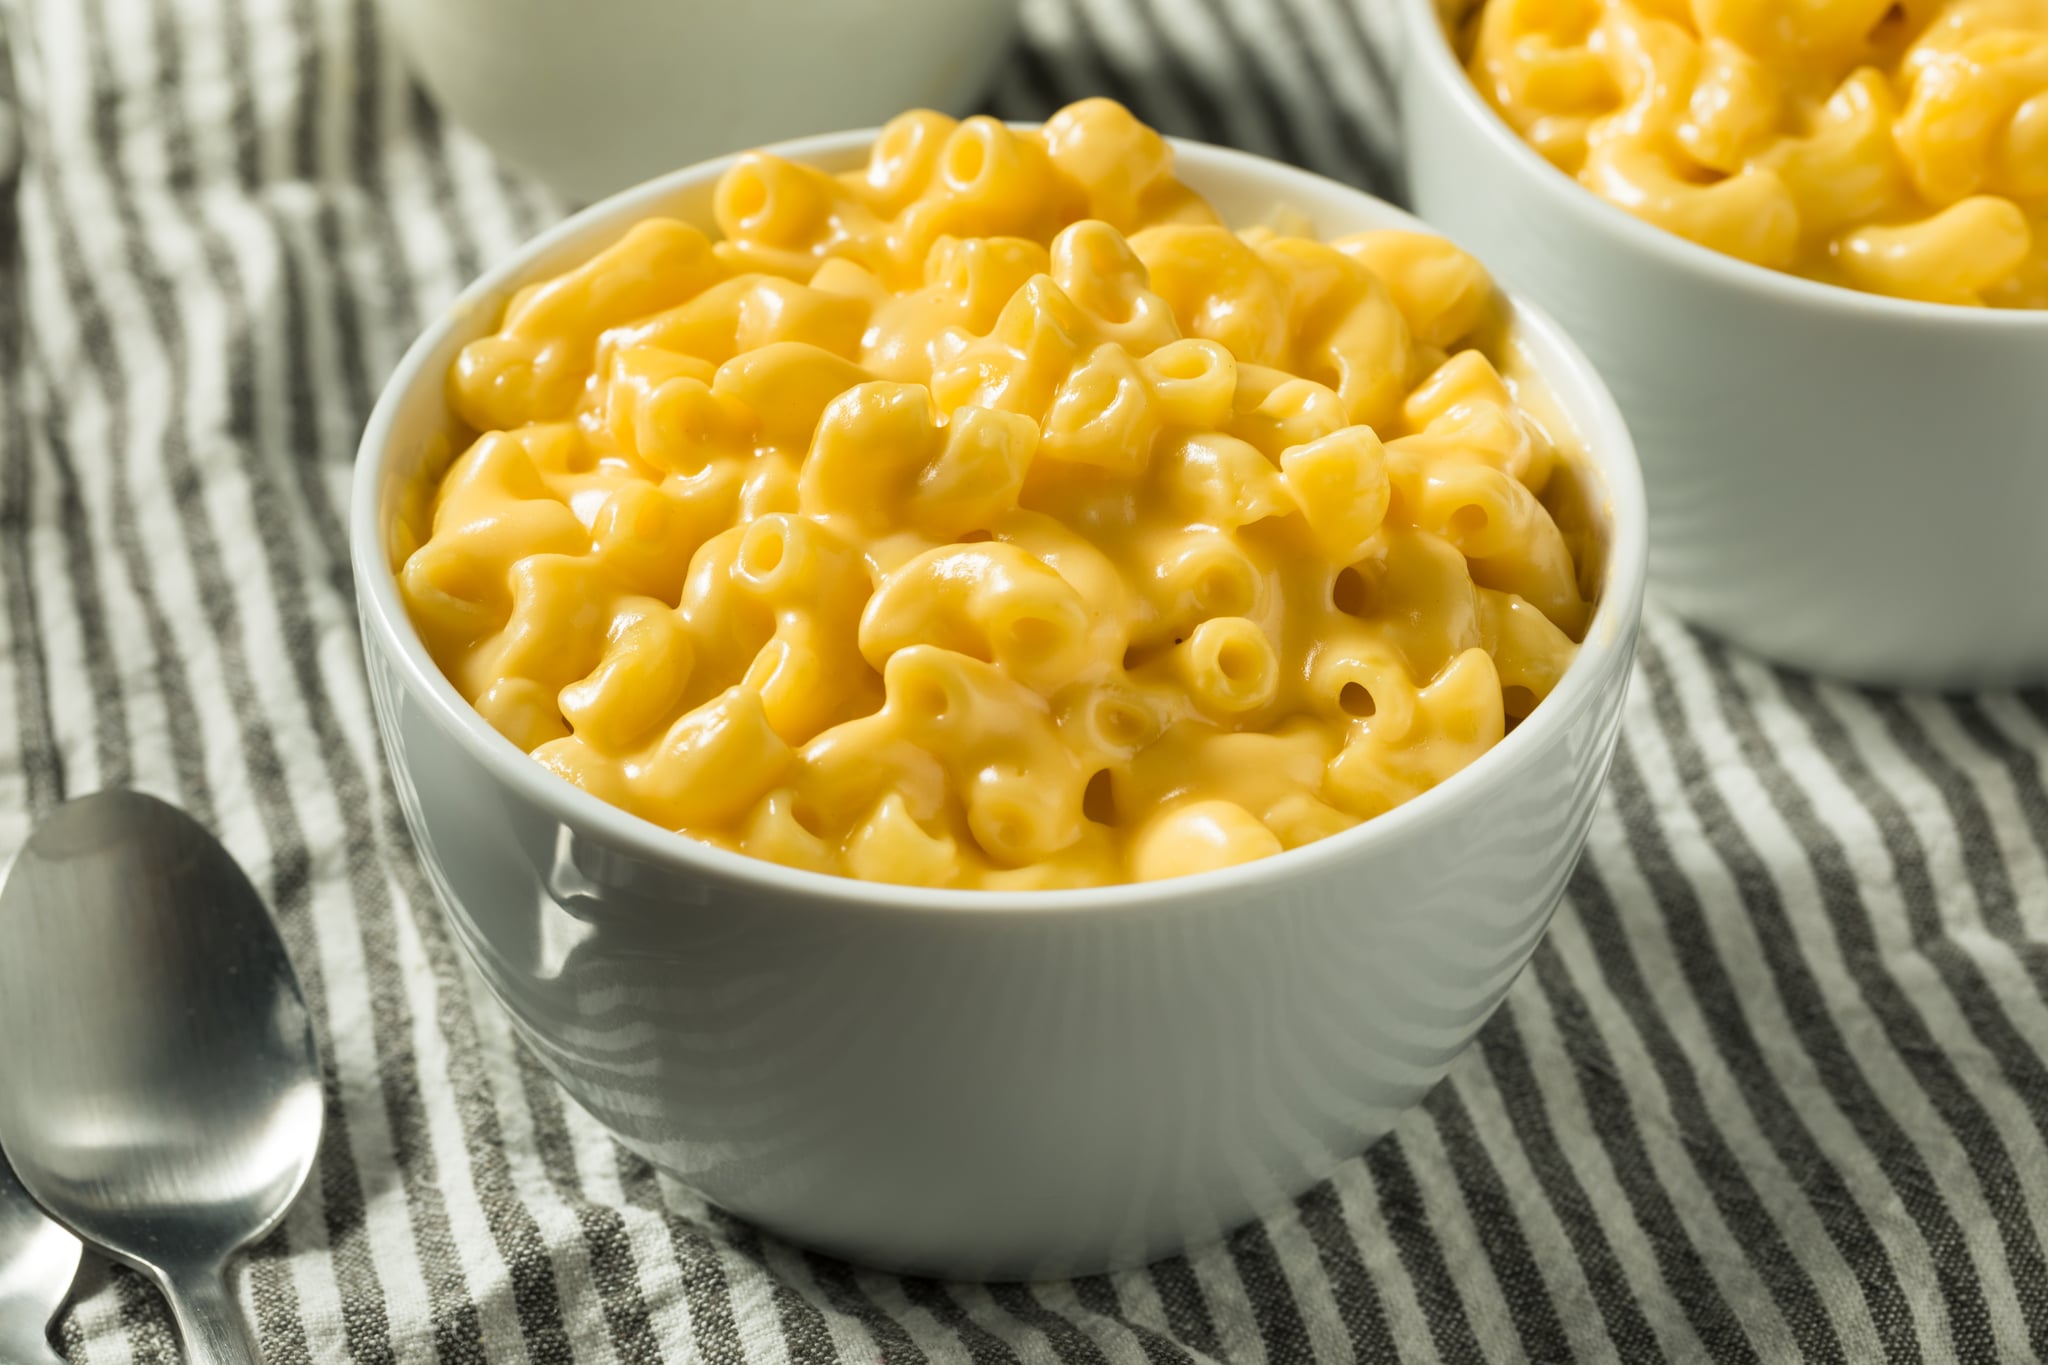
[1774, 1088]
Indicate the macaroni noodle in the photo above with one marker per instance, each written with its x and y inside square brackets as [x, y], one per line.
[1899, 148]
[992, 516]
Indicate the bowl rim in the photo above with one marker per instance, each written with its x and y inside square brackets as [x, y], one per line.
[1607, 647]
[1433, 54]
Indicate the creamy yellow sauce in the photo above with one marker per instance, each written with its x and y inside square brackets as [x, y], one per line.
[993, 516]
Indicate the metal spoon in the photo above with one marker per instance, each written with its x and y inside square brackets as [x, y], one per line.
[159, 1090]
[38, 1262]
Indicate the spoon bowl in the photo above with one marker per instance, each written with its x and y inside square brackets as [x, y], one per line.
[159, 1087]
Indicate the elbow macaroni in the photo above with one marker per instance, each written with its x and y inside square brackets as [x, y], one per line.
[1898, 148]
[992, 516]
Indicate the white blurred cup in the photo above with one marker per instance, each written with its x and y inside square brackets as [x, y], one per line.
[597, 95]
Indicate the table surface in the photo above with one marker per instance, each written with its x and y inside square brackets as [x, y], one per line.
[1774, 1087]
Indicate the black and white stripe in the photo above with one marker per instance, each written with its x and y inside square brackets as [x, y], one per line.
[1774, 1088]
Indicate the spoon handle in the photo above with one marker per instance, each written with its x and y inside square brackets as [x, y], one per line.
[210, 1322]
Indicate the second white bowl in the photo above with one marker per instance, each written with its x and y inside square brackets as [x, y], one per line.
[1846, 483]
[596, 95]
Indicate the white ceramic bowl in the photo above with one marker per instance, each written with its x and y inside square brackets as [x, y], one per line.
[596, 95]
[973, 1083]
[1843, 482]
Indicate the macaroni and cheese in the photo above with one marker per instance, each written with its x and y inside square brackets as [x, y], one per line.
[993, 516]
[1899, 148]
